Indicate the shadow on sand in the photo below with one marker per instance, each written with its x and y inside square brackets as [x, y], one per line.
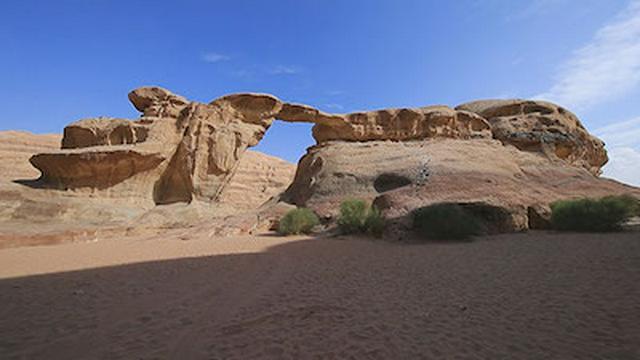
[517, 296]
[33, 183]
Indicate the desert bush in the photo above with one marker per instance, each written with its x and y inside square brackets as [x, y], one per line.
[631, 203]
[445, 221]
[356, 216]
[353, 213]
[297, 221]
[374, 223]
[593, 215]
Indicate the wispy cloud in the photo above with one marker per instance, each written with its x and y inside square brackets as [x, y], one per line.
[623, 144]
[626, 133]
[213, 57]
[285, 70]
[606, 68]
[623, 165]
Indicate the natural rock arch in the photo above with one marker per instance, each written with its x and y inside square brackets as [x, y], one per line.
[180, 151]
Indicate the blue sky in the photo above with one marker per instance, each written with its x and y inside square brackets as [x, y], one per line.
[70, 59]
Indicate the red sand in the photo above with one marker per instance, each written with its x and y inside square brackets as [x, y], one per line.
[525, 296]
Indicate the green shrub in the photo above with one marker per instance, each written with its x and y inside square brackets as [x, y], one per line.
[374, 223]
[297, 221]
[356, 216]
[593, 215]
[353, 213]
[631, 203]
[445, 222]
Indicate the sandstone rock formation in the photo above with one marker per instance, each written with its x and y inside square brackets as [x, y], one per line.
[541, 126]
[402, 176]
[258, 178]
[32, 215]
[390, 124]
[514, 156]
[16, 147]
[179, 151]
[535, 153]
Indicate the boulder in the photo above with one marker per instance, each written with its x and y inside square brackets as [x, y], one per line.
[399, 177]
[100, 168]
[103, 131]
[155, 101]
[544, 127]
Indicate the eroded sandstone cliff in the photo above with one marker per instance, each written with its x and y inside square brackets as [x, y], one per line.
[34, 215]
[514, 155]
[179, 151]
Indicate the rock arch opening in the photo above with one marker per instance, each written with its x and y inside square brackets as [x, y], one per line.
[286, 140]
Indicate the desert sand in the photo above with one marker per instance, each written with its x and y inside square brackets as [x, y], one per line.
[184, 295]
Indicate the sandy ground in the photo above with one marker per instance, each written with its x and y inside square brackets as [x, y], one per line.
[186, 296]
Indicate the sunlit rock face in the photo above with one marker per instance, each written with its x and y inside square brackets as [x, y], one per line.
[399, 177]
[540, 126]
[513, 155]
[180, 151]
[177, 151]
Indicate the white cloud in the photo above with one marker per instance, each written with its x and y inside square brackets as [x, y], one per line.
[606, 68]
[214, 57]
[285, 70]
[622, 134]
[623, 145]
[624, 165]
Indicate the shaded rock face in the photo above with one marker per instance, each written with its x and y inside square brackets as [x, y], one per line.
[543, 127]
[390, 181]
[99, 169]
